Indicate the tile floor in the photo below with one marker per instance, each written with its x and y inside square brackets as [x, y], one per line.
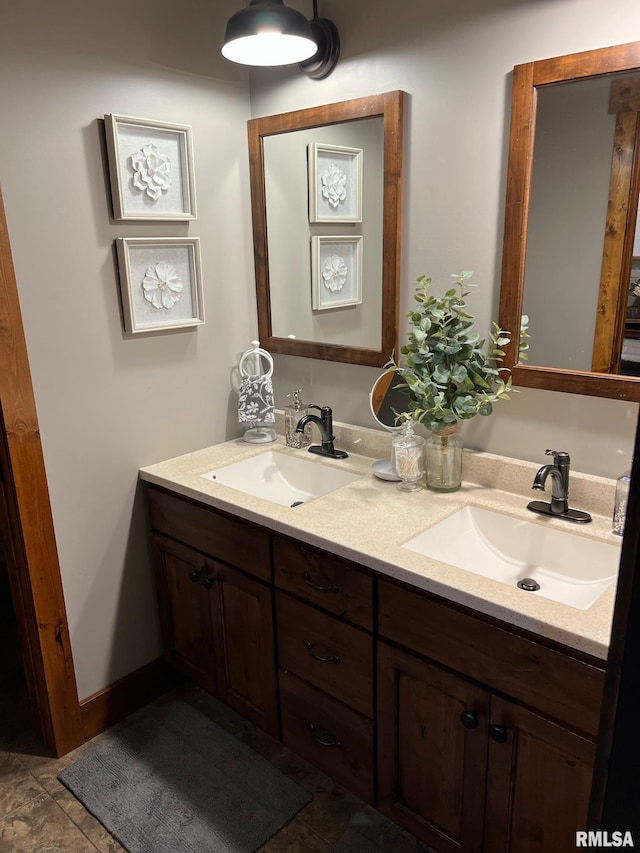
[39, 815]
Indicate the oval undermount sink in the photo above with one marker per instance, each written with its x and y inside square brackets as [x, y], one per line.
[283, 478]
[568, 568]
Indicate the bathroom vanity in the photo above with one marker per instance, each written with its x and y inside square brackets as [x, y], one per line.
[462, 708]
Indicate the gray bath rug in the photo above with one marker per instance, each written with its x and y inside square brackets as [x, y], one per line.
[178, 783]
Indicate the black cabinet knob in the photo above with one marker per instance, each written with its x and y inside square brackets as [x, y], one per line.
[469, 719]
[207, 582]
[498, 733]
[194, 576]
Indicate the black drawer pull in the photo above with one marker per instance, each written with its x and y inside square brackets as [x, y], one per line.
[323, 736]
[306, 577]
[331, 659]
[194, 575]
[207, 582]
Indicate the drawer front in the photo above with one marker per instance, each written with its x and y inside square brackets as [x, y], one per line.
[324, 580]
[332, 656]
[224, 538]
[332, 737]
[563, 687]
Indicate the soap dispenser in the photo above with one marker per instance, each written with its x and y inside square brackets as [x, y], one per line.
[292, 414]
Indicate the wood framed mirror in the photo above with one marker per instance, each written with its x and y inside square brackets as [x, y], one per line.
[570, 221]
[326, 194]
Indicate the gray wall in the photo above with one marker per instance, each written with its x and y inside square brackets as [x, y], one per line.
[455, 61]
[108, 403]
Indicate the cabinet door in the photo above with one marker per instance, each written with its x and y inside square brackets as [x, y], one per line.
[185, 610]
[432, 749]
[244, 643]
[539, 782]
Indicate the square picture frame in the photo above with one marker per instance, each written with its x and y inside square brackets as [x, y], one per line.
[150, 169]
[160, 283]
[335, 183]
[336, 272]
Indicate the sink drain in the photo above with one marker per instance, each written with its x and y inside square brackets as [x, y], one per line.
[528, 585]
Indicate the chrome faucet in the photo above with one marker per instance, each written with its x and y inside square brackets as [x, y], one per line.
[559, 505]
[325, 425]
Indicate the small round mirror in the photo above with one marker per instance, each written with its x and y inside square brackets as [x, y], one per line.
[388, 399]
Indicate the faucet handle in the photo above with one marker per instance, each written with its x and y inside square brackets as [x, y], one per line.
[558, 455]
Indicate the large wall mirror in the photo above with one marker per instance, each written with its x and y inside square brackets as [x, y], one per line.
[571, 256]
[326, 205]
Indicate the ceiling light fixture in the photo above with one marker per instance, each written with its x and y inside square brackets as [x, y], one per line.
[269, 33]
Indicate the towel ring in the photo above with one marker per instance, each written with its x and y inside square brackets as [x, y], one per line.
[256, 350]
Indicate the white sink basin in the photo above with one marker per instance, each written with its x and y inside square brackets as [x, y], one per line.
[283, 478]
[571, 569]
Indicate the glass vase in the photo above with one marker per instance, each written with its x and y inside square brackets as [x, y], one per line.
[443, 452]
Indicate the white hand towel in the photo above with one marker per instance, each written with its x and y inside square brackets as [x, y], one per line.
[255, 404]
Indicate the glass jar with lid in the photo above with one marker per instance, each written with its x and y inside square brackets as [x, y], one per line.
[408, 452]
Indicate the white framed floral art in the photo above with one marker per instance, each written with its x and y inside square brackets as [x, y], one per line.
[150, 168]
[335, 183]
[336, 272]
[160, 283]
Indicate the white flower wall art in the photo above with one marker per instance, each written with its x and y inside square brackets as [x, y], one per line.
[151, 171]
[335, 183]
[160, 283]
[150, 168]
[336, 272]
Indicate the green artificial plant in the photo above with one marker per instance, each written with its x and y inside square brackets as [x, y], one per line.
[448, 374]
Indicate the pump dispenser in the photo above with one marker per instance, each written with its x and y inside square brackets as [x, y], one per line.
[292, 414]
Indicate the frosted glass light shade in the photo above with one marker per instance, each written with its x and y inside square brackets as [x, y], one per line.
[268, 33]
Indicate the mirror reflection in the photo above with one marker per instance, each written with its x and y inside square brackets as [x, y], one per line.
[388, 398]
[570, 246]
[567, 219]
[326, 203]
[574, 175]
[340, 315]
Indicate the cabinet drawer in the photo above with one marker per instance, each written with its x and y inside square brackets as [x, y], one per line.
[547, 679]
[332, 737]
[324, 580]
[333, 656]
[225, 538]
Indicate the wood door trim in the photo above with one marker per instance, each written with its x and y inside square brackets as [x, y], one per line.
[39, 605]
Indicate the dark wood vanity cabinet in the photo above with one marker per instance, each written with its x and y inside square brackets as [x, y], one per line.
[216, 621]
[473, 736]
[460, 765]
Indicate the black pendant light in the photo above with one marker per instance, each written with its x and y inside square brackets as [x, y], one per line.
[269, 33]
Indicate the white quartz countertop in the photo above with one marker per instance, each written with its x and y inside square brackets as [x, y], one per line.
[369, 520]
